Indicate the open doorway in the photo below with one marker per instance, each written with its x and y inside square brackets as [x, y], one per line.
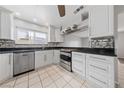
[120, 48]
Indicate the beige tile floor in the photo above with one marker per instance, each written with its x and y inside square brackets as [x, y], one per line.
[52, 76]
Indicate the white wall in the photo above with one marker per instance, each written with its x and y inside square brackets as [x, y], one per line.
[73, 41]
[121, 44]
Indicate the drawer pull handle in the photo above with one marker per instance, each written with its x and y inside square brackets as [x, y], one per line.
[97, 79]
[98, 58]
[98, 67]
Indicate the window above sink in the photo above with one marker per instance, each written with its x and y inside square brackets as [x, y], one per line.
[27, 36]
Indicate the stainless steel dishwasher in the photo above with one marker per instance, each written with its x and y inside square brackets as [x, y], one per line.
[23, 61]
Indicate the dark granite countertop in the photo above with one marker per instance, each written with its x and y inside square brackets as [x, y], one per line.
[99, 51]
[18, 49]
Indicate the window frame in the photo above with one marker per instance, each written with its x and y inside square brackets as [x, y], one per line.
[30, 38]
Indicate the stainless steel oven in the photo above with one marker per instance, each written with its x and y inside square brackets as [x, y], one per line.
[65, 59]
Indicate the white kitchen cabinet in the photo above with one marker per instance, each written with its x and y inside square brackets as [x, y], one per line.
[100, 70]
[43, 58]
[56, 56]
[6, 66]
[100, 21]
[5, 24]
[51, 34]
[40, 59]
[54, 34]
[58, 36]
[49, 57]
[78, 63]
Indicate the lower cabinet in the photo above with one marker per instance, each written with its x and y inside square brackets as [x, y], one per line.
[49, 57]
[100, 70]
[56, 56]
[43, 58]
[78, 63]
[6, 66]
[39, 59]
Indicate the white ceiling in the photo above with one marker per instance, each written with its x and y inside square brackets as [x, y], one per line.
[45, 14]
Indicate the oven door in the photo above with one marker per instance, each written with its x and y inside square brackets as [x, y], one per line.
[66, 58]
[67, 65]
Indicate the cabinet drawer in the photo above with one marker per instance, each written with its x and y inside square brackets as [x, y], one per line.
[98, 70]
[101, 66]
[79, 57]
[80, 60]
[98, 82]
[99, 76]
[77, 54]
[101, 58]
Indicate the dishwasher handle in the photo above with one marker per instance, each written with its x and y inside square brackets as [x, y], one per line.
[24, 54]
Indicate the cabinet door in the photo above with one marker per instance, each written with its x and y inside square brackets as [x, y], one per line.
[5, 66]
[78, 63]
[99, 21]
[49, 57]
[5, 25]
[56, 56]
[51, 34]
[31, 60]
[58, 36]
[39, 59]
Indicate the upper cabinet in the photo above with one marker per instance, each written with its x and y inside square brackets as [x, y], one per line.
[5, 24]
[58, 36]
[54, 34]
[51, 34]
[101, 20]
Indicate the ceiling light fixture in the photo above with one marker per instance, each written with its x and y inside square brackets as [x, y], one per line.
[34, 19]
[17, 14]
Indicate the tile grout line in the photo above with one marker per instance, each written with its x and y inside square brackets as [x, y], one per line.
[71, 79]
[40, 79]
[66, 82]
[15, 82]
[64, 79]
[36, 72]
[28, 80]
[83, 84]
[53, 80]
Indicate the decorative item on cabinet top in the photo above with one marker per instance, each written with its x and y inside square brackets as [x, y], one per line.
[7, 43]
[102, 42]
